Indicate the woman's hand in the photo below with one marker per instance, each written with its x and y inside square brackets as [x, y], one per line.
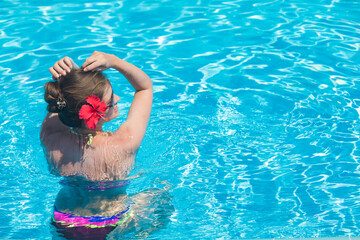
[62, 67]
[98, 61]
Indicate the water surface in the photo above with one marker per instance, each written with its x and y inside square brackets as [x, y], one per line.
[254, 128]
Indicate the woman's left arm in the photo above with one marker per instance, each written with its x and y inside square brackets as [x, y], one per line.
[62, 67]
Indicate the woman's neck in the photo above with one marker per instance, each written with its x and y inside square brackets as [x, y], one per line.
[85, 130]
[89, 131]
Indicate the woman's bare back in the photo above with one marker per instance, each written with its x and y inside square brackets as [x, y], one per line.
[68, 154]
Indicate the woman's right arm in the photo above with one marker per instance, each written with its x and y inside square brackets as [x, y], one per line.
[138, 117]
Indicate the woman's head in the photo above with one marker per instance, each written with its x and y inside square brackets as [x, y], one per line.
[68, 94]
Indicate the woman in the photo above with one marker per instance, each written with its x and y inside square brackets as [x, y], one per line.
[80, 101]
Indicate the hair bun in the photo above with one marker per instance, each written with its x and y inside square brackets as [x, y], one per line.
[54, 97]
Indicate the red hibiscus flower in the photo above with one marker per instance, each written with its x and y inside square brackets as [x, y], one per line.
[92, 112]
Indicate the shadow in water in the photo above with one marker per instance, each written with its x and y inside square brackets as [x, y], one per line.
[152, 211]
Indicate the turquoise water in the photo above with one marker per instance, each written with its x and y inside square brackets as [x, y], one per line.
[255, 123]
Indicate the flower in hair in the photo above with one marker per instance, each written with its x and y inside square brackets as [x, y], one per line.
[92, 111]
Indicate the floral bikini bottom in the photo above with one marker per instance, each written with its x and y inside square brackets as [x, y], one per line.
[79, 226]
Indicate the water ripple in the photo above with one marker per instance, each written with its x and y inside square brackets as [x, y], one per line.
[255, 120]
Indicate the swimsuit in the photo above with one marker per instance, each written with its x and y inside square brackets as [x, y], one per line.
[90, 185]
[95, 227]
[70, 220]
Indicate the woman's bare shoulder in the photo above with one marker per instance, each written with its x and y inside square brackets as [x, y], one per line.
[123, 138]
[52, 125]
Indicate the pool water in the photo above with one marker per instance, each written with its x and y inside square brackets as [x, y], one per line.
[255, 124]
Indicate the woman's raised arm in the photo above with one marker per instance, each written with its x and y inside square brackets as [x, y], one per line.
[138, 117]
[62, 67]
